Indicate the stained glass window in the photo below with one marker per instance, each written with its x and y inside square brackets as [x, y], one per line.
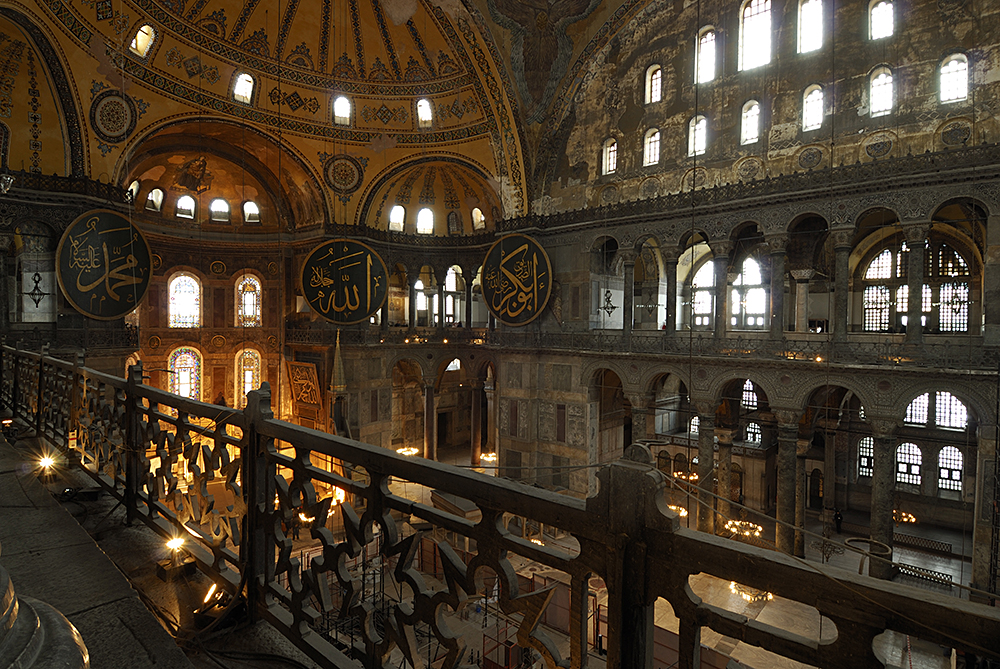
[248, 366]
[866, 456]
[908, 460]
[185, 373]
[248, 301]
[184, 292]
[950, 468]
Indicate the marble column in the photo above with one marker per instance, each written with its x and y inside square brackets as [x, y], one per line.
[801, 492]
[991, 284]
[706, 460]
[670, 267]
[723, 509]
[640, 416]
[777, 244]
[476, 418]
[842, 283]
[430, 421]
[383, 318]
[982, 530]
[883, 485]
[916, 242]
[491, 417]
[467, 277]
[721, 261]
[829, 474]
[788, 436]
[412, 310]
[4, 288]
[802, 278]
[628, 292]
[440, 304]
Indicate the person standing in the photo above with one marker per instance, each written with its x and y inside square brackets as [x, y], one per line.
[838, 519]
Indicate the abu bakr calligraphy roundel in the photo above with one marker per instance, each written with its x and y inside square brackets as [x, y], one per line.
[103, 265]
[516, 279]
[345, 281]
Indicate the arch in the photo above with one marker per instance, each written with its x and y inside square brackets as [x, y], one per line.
[249, 304]
[832, 393]
[730, 386]
[186, 366]
[977, 405]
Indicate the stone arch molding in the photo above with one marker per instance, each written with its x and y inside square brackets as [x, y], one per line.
[763, 380]
[428, 368]
[654, 372]
[629, 385]
[863, 390]
[977, 398]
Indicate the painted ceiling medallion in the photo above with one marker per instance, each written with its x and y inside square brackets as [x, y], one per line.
[113, 116]
[344, 174]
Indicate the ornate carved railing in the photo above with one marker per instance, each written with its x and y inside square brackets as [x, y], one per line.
[233, 482]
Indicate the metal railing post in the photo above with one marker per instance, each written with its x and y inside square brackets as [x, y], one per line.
[41, 387]
[133, 441]
[257, 547]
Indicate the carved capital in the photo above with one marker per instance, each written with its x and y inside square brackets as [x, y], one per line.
[802, 447]
[842, 238]
[720, 247]
[787, 418]
[916, 233]
[705, 408]
[628, 256]
[882, 427]
[639, 401]
[725, 435]
[670, 254]
[803, 275]
[777, 242]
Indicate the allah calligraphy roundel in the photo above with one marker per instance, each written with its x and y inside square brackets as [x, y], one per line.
[516, 279]
[103, 265]
[345, 281]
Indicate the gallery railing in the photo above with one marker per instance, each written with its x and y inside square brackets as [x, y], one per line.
[234, 481]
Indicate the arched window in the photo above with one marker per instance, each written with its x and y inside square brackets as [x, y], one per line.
[248, 302]
[812, 108]
[243, 88]
[478, 220]
[810, 25]
[154, 201]
[753, 433]
[219, 209]
[749, 399]
[750, 127]
[651, 147]
[755, 34]
[609, 161]
[749, 297]
[248, 366]
[880, 19]
[397, 217]
[946, 289]
[184, 295]
[916, 412]
[185, 207]
[133, 191]
[185, 373]
[950, 469]
[143, 41]
[703, 295]
[908, 460]
[454, 366]
[954, 78]
[654, 78]
[425, 117]
[697, 135]
[451, 280]
[704, 60]
[251, 212]
[866, 456]
[342, 110]
[949, 411]
[881, 94]
[425, 221]
[694, 425]
[418, 290]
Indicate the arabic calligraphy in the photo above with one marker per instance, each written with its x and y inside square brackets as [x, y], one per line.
[517, 279]
[104, 265]
[344, 281]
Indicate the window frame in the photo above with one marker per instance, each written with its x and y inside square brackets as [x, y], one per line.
[186, 323]
[174, 381]
[697, 129]
[155, 197]
[240, 391]
[807, 106]
[765, 34]
[949, 476]
[953, 58]
[421, 217]
[239, 77]
[339, 119]
[651, 144]
[214, 214]
[609, 156]
[253, 321]
[741, 292]
[134, 48]
[803, 46]
[193, 209]
[422, 122]
[871, 19]
[912, 475]
[654, 84]
[699, 55]
[246, 216]
[747, 106]
[395, 226]
[878, 74]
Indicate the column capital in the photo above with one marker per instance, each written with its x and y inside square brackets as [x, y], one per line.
[802, 447]
[986, 431]
[628, 256]
[881, 426]
[670, 254]
[428, 382]
[777, 243]
[720, 247]
[639, 400]
[787, 418]
[915, 232]
[842, 239]
[725, 435]
[705, 408]
[412, 278]
[803, 275]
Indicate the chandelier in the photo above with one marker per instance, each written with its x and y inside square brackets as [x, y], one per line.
[749, 595]
[743, 528]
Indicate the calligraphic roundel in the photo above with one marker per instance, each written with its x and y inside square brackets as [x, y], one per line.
[517, 279]
[345, 281]
[103, 265]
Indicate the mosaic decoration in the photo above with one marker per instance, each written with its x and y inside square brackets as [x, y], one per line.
[34, 144]
[294, 101]
[446, 66]
[248, 302]
[286, 25]
[257, 43]
[343, 173]
[68, 19]
[750, 169]
[218, 267]
[384, 114]
[810, 158]
[218, 341]
[517, 279]
[344, 68]
[241, 22]
[359, 43]
[185, 373]
[383, 29]
[9, 68]
[300, 56]
[344, 281]
[153, 343]
[113, 116]
[956, 133]
[427, 194]
[249, 375]
[196, 9]
[193, 66]
[103, 265]
[878, 147]
[215, 22]
[157, 261]
[415, 71]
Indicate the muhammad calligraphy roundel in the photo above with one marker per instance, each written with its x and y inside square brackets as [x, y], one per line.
[517, 279]
[345, 281]
[103, 265]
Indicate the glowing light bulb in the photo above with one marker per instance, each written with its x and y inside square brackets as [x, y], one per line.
[175, 543]
[46, 462]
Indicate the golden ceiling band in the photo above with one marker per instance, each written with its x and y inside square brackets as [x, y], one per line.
[517, 279]
[345, 281]
[103, 265]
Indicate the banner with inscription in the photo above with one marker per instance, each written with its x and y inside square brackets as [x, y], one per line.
[345, 281]
[103, 265]
[516, 279]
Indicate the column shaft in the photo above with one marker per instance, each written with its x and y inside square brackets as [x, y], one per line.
[440, 304]
[777, 295]
[412, 315]
[841, 293]
[628, 297]
[883, 466]
[725, 475]
[430, 420]
[706, 460]
[786, 464]
[721, 292]
[476, 418]
[468, 301]
[800, 498]
[671, 322]
[915, 289]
